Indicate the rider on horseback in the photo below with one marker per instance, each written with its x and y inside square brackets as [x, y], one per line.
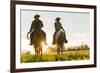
[58, 26]
[36, 26]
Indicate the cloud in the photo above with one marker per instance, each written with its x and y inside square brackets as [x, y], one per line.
[78, 39]
[80, 35]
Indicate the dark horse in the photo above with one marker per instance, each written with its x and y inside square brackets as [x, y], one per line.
[38, 38]
[60, 40]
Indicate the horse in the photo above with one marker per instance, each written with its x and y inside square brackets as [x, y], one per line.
[38, 38]
[59, 41]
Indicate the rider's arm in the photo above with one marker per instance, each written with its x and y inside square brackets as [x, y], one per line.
[41, 24]
[62, 28]
[57, 27]
[31, 28]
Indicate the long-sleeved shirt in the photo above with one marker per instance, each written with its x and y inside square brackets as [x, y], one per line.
[58, 26]
[36, 25]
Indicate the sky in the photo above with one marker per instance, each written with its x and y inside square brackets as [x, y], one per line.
[76, 25]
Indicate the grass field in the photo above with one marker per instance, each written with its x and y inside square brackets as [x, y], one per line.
[68, 55]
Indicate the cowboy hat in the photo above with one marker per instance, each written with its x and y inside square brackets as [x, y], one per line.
[57, 18]
[36, 16]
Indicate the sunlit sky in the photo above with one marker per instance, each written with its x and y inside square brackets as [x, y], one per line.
[76, 25]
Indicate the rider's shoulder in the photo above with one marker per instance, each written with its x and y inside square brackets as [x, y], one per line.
[40, 20]
[56, 23]
[33, 21]
[36, 21]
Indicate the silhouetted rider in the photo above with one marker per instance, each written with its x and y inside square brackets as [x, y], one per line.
[36, 25]
[58, 26]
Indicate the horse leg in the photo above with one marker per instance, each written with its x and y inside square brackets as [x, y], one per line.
[62, 48]
[58, 52]
[40, 53]
[36, 57]
[35, 53]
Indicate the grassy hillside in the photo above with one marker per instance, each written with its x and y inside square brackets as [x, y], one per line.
[67, 55]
